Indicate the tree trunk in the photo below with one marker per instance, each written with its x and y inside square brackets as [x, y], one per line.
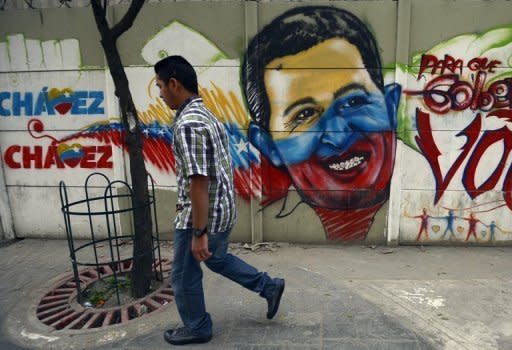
[142, 246]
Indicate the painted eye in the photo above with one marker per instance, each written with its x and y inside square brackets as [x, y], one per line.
[306, 114]
[355, 101]
[303, 116]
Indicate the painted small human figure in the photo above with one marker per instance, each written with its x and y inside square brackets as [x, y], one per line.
[472, 226]
[449, 225]
[492, 231]
[424, 223]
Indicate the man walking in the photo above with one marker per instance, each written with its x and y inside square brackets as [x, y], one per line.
[205, 210]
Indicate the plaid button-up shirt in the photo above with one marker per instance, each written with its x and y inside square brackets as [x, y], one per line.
[201, 147]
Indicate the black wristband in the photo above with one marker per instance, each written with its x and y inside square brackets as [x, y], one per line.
[198, 232]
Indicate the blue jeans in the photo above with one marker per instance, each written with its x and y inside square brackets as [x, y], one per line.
[186, 277]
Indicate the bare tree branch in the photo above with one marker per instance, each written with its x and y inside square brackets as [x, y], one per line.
[101, 20]
[64, 3]
[29, 3]
[126, 22]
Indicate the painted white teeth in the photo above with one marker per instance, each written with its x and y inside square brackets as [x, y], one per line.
[346, 165]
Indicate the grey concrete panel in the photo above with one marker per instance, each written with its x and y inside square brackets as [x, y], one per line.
[302, 225]
[377, 233]
[435, 21]
[38, 212]
[220, 22]
[242, 230]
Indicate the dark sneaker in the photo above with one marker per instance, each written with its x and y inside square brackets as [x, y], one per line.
[275, 298]
[183, 336]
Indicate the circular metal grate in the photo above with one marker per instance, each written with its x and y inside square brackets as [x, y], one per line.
[58, 308]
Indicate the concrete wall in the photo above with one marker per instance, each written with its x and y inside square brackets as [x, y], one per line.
[400, 133]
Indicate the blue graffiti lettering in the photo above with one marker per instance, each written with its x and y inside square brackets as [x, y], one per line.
[18, 103]
[95, 107]
[79, 103]
[4, 96]
[42, 103]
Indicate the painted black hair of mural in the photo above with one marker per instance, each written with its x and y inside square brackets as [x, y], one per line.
[295, 31]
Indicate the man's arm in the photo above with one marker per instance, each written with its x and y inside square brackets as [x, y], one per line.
[192, 142]
[200, 204]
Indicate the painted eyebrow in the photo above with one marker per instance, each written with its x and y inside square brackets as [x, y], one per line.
[297, 103]
[349, 87]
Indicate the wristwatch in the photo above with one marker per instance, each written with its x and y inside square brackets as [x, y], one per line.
[198, 232]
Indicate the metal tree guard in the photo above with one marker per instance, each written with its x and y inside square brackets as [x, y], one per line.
[110, 212]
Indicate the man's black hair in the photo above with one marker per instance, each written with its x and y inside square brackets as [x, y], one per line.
[295, 31]
[178, 68]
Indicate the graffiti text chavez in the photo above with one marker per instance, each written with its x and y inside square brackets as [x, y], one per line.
[51, 102]
[61, 156]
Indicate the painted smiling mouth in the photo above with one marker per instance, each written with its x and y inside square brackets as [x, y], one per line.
[344, 164]
[348, 164]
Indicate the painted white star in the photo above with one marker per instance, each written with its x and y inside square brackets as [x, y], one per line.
[146, 132]
[241, 146]
[161, 132]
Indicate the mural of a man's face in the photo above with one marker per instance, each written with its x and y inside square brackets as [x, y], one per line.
[332, 128]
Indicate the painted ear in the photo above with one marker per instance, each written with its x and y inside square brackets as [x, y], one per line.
[261, 139]
[392, 94]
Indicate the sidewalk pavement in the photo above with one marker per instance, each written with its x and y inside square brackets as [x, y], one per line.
[336, 297]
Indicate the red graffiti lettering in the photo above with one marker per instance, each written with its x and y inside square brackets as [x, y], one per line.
[428, 147]
[88, 161]
[37, 157]
[9, 157]
[446, 93]
[434, 64]
[52, 158]
[437, 99]
[483, 64]
[502, 92]
[488, 139]
[106, 155]
[507, 188]
[502, 114]
[431, 64]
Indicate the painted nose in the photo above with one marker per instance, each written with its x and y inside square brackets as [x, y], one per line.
[337, 132]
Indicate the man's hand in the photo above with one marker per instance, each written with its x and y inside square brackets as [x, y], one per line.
[200, 248]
